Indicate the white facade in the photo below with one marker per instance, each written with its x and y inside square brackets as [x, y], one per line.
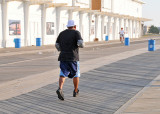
[46, 19]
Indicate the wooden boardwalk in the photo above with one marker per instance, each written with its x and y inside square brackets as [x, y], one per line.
[102, 91]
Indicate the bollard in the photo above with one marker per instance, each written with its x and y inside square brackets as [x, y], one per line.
[38, 41]
[17, 42]
[127, 42]
[151, 45]
[106, 38]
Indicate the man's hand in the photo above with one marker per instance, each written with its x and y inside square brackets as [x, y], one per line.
[80, 43]
[58, 46]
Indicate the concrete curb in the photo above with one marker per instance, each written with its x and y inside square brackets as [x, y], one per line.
[54, 50]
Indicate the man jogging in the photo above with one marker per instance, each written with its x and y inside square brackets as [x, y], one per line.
[68, 43]
[121, 35]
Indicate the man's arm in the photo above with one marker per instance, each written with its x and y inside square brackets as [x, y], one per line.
[57, 45]
[80, 42]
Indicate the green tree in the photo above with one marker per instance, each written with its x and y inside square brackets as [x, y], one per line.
[153, 29]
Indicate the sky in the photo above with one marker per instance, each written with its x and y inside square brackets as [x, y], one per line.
[151, 10]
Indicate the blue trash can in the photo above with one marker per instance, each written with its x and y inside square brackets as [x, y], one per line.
[17, 42]
[38, 41]
[106, 38]
[127, 42]
[151, 45]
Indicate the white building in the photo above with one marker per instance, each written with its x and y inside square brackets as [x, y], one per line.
[31, 19]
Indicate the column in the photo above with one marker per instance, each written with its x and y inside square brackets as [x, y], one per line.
[5, 30]
[115, 28]
[112, 6]
[108, 27]
[120, 24]
[73, 2]
[102, 27]
[96, 26]
[125, 24]
[90, 24]
[136, 29]
[133, 30]
[26, 22]
[80, 22]
[140, 29]
[43, 10]
[57, 19]
[90, 4]
[70, 16]
[129, 28]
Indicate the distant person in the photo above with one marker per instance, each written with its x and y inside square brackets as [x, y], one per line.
[68, 43]
[121, 35]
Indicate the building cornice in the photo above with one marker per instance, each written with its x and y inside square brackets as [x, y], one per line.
[138, 1]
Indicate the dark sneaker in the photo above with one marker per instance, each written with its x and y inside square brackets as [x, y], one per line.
[60, 94]
[75, 94]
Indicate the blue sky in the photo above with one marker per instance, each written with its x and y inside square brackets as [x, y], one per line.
[151, 10]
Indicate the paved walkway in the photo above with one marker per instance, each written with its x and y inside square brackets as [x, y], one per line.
[119, 83]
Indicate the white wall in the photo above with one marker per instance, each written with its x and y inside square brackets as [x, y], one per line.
[106, 5]
[81, 3]
[50, 17]
[0, 27]
[128, 7]
[34, 24]
[15, 12]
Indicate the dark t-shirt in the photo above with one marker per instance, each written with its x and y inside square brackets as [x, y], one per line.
[67, 40]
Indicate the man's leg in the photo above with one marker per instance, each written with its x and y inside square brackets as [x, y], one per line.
[76, 82]
[59, 90]
[61, 82]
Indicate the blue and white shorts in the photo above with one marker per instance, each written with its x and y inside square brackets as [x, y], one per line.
[121, 35]
[65, 70]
